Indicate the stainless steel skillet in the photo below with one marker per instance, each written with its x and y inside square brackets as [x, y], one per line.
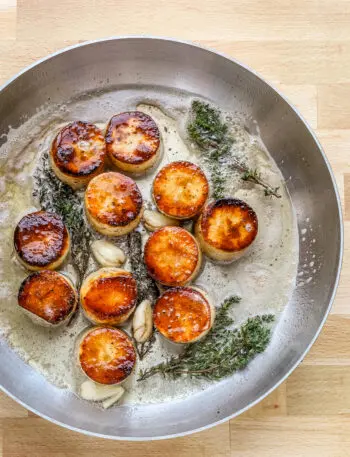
[107, 64]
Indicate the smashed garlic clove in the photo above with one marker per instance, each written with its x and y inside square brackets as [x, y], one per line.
[107, 254]
[111, 400]
[153, 220]
[72, 275]
[142, 322]
[90, 390]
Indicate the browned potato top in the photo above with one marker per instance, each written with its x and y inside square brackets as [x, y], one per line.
[107, 355]
[180, 189]
[41, 238]
[171, 255]
[110, 295]
[49, 295]
[229, 224]
[182, 314]
[132, 137]
[113, 199]
[79, 149]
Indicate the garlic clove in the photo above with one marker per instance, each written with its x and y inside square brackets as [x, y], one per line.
[142, 322]
[90, 390]
[111, 400]
[107, 254]
[72, 275]
[153, 220]
[188, 225]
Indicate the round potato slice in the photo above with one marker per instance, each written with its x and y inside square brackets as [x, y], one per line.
[183, 314]
[108, 296]
[48, 297]
[113, 204]
[41, 241]
[78, 153]
[106, 355]
[226, 229]
[133, 141]
[180, 190]
[172, 256]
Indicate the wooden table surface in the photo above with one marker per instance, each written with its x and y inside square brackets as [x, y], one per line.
[302, 47]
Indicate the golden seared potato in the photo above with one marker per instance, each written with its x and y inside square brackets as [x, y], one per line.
[108, 296]
[106, 355]
[226, 229]
[113, 204]
[78, 153]
[41, 241]
[133, 141]
[172, 256]
[180, 190]
[48, 298]
[183, 314]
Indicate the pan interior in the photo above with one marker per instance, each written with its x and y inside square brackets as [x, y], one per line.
[114, 66]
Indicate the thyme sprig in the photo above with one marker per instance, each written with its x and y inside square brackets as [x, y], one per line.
[222, 352]
[213, 137]
[55, 196]
[254, 176]
[145, 348]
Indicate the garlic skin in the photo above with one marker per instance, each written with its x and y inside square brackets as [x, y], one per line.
[72, 275]
[107, 254]
[142, 322]
[111, 400]
[92, 391]
[153, 220]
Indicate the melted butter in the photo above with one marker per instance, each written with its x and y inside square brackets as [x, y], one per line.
[264, 277]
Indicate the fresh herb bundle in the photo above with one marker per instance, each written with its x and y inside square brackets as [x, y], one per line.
[213, 137]
[57, 197]
[222, 352]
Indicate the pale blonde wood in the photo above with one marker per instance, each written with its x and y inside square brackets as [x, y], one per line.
[334, 107]
[342, 304]
[35, 437]
[246, 20]
[304, 98]
[332, 347]
[8, 19]
[319, 390]
[10, 408]
[335, 144]
[274, 405]
[15, 54]
[347, 196]
[292, 62]
[293, 436]
[303, 48]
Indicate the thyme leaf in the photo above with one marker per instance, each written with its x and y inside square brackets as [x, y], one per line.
[222, 352]
[145, 348]
[212, 136]
[252, 175]
[57, 197]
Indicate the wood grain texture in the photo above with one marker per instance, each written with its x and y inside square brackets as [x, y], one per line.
[301, 46]
[36, 437]
[334, 109]
[292, 436]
